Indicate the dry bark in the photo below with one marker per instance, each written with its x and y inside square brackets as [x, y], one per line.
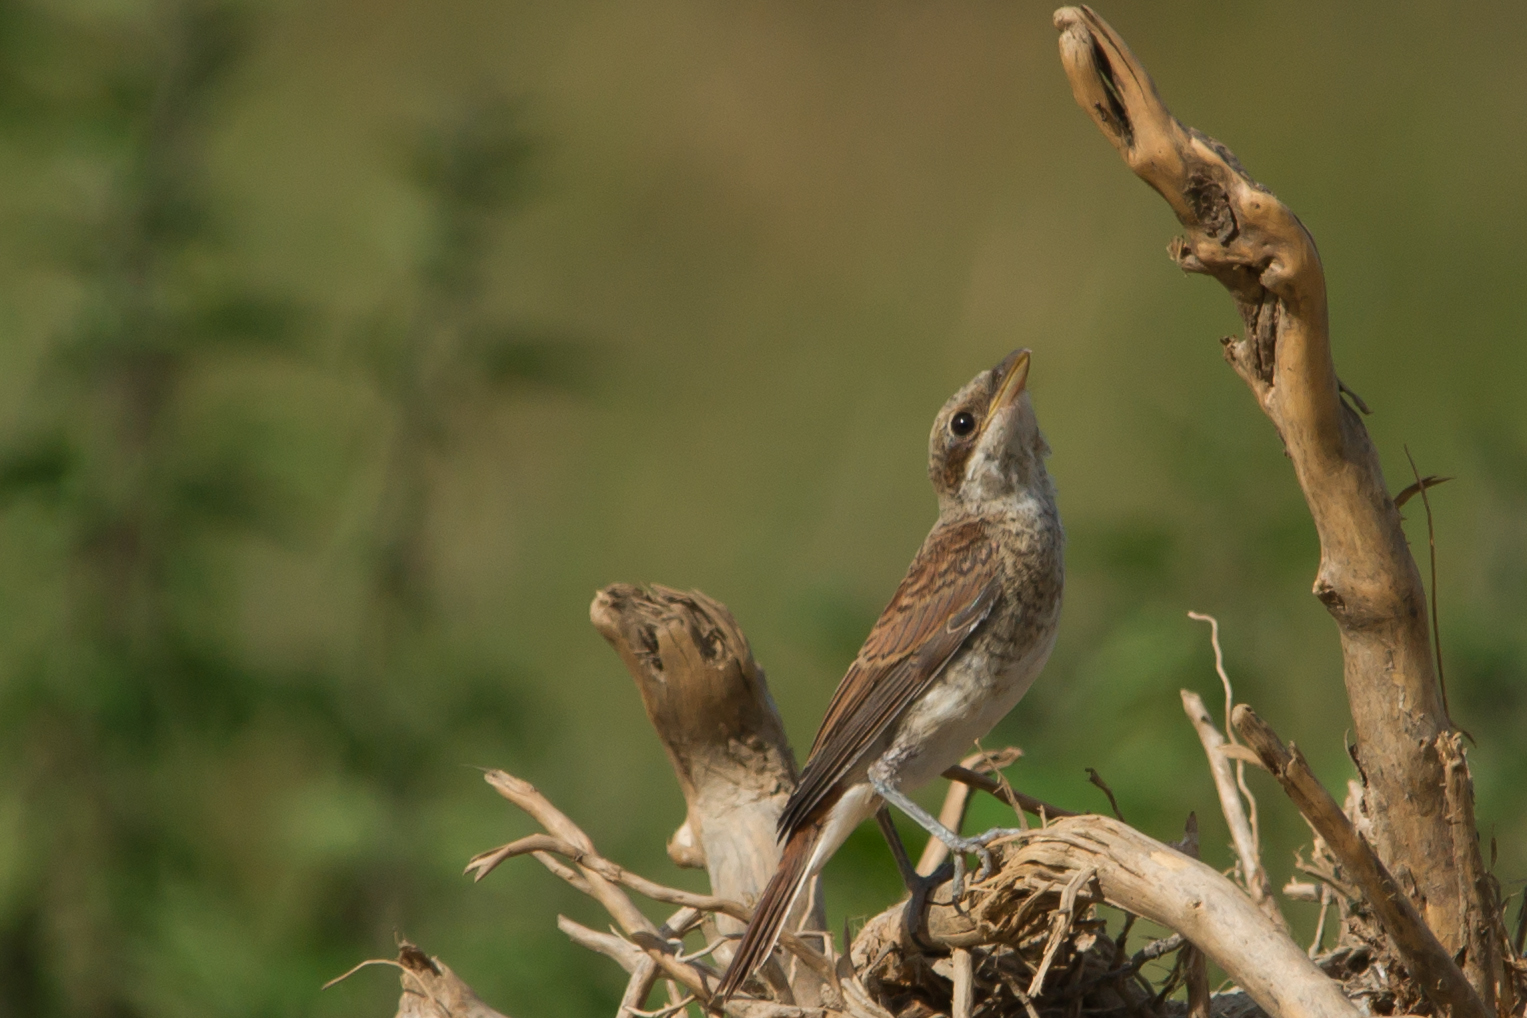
[1258, 885]
[1238, 232]
[1132, 871]
[1248, 240]
[1424, 956]
[709, 702]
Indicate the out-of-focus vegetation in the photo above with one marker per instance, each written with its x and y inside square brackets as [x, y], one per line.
[347, 348]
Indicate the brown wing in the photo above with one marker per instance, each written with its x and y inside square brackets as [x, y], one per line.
[948, 591]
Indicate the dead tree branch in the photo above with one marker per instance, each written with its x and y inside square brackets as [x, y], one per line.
[1426, 959]
[709, 702]
[1108, 861]
[1258, 885]
[1014, 798]
[430, 988]
[1238, 232]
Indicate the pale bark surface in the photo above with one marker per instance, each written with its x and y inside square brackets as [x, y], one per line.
[1107, 861]
[1428, 961]
[1238, 232]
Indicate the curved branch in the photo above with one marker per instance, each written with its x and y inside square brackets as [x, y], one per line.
[1246, 849]
[1433, 968]
[1132, 871]
[709, 702]
[1238, 232]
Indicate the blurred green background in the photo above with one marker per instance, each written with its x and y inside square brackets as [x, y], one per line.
[349, 347]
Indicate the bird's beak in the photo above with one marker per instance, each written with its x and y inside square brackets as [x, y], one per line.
[1014, 372]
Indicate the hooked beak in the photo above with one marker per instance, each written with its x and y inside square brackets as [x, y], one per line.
[1014, 372]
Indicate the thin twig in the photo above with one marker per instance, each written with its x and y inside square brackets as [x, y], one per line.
[708, 948]
[637, 926]
[1320, 924]
[618, 949]
[369, 961]
[566, 872]
[1230, 737]
[964, 984]
[673, 1008]
[994, 764]
[1411, 490]
[1023, 997]
[1064, 914]
[483, 864]
[1097, 779]
[604, 877]
[1431, 542]
[638, 988]
[1219, 668]
[1242, 834]
[1011, 796]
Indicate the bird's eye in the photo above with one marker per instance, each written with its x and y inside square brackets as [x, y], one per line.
[962, 423]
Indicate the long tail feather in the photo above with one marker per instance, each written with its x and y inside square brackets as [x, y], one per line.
[773, 909]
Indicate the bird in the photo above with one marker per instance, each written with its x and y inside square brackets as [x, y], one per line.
[964, 636]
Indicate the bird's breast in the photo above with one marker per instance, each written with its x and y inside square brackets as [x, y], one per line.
[979, 686]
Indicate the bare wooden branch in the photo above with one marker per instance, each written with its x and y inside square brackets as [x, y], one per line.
[620, 950]
[709, 703]
[1258, 885]
[1484, 932]
[643, 970]
[699, 980]
[1011, 796]
[603, 878]
[432, 990]
[524, 795]
[964, 984]
[484, 863]
[1131, 871]
[1429, 963]
[708, 700]
[1238, 232]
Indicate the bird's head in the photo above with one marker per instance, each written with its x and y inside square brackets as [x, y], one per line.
[986, 446]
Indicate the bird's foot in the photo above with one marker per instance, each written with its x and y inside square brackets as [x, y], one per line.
[958, 845]
[976, 845]
[914, 916]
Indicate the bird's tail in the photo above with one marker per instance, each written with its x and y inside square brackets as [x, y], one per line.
[774, 907]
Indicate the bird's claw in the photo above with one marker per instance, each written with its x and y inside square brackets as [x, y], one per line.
[976, 846]
[988, 864]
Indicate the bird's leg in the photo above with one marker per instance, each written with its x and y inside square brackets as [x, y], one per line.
[958, 845]
[918, 886]
[909, 874]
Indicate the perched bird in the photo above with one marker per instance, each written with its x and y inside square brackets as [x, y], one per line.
[963, 638]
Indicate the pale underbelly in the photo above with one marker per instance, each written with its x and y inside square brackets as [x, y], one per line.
[934, 734]
[964, 705]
